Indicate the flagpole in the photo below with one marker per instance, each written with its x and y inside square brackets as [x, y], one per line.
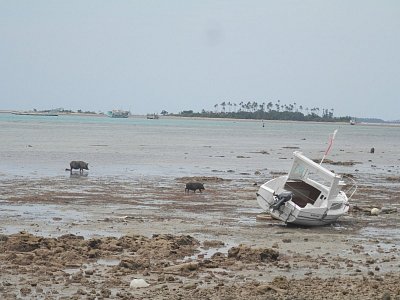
[331, 138]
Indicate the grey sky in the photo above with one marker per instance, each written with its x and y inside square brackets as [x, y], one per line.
[147, 56]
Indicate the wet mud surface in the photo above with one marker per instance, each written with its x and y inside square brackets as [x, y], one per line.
[88, 238]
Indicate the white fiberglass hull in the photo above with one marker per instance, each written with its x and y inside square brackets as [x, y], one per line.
[292, 213]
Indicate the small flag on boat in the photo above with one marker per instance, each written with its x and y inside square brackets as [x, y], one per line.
[330, 143]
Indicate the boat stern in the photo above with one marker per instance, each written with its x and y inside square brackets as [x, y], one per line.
[266, 192]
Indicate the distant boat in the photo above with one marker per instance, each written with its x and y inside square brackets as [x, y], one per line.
[152, 116]
[46, 114]
[353, 122]
[116, 113]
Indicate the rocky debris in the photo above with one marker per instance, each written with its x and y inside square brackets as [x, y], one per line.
[261, 152]
[393, 178]
[213, 244]
[248, 254]
[135, 263]
[25, 248]
[189, 266]
[336, 163]
[138, 283]
[63, 267]
[373, 211]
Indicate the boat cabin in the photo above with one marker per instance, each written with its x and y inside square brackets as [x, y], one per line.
[303, 193]
[311, 183]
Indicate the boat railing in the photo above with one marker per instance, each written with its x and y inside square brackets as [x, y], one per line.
[351, 186]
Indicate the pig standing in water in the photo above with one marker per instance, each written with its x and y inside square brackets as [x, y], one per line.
[193, 186]
[81, 165]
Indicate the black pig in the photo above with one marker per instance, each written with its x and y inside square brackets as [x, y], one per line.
[193, 186]
[81, 165]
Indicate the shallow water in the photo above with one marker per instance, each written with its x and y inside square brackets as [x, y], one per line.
[382, 233]
[34, 146]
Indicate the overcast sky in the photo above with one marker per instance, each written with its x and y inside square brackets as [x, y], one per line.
[147, 56]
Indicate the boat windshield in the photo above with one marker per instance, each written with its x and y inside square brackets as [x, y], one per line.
[305, 169]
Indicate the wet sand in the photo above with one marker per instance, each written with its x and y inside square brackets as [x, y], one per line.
[84, 237]
[88, 237]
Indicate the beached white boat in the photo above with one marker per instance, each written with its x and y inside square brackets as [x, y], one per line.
[309, 195]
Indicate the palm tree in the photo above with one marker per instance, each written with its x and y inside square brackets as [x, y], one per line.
[229, 105]
[278, 105]
[223, 104]
[248, 105]
[254, 106]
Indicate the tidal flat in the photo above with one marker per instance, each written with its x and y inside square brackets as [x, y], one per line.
[88, 236]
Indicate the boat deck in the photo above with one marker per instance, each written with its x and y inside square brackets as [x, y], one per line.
[303, 193]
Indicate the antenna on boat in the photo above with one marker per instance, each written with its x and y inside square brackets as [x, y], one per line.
[331, 138]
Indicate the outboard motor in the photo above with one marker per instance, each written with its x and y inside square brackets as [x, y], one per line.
[281, 199]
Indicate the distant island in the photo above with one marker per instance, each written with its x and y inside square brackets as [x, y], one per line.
[273, 111]
[267, 111]
[229, 110]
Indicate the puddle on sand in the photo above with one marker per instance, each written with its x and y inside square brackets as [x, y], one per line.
[95, 233]
[249, 210]
[72, 271]
[376, 232]
[43, 218]
[380, 240]
[208, 253]
[144, 207]
[246, 220]
[44, 212]
[108, 261]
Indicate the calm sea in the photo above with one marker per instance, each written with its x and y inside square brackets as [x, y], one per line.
[40, 146]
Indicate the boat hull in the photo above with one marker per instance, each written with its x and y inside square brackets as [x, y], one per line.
[291, 213]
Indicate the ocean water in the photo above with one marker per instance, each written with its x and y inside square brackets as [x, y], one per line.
[39, 146]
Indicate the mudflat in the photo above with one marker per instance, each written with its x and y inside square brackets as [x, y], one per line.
[78, 237]
[128, 221]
